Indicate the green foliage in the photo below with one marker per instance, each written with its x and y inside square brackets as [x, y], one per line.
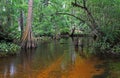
[10, 33]
[47, 22]
[106, 13]
[108, 43]
[64, 31]
[8, 20]
[14, 33]
[8, 48]
[114, 68]
[102, 46]
[116, 48]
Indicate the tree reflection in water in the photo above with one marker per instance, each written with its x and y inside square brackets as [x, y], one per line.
[52, 60]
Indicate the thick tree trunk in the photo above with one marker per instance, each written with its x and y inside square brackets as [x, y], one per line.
[27, 39]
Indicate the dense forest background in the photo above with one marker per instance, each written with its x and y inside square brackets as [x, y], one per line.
[98, 18]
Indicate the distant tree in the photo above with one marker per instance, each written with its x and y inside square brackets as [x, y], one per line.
[20, 22]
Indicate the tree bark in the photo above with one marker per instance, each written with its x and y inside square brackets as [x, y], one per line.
[28, 40]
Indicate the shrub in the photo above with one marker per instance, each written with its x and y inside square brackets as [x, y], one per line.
[8, 49]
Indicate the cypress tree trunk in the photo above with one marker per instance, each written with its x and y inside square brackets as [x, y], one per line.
[28, 40]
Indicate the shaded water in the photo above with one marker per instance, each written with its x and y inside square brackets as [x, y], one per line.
[53, 59]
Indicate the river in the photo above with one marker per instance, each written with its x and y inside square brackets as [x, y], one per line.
[54, 59]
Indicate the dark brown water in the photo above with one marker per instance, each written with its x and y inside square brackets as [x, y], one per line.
[53, 59]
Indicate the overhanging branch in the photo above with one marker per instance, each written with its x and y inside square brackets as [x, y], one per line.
[71, 15]
[94, 26]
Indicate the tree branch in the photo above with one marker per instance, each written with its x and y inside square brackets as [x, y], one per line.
[84, 3]
[77, 5]
[94, 25]
[71, 15]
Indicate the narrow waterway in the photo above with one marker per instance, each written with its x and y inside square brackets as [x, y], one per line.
[54, 59]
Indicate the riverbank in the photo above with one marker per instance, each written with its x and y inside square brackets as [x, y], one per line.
[7, 48]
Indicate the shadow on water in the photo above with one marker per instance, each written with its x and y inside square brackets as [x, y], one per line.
[54, 59]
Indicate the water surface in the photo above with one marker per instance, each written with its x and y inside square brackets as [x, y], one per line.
[53, 59]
